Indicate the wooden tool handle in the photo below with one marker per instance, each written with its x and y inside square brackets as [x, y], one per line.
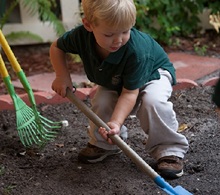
[115, 138]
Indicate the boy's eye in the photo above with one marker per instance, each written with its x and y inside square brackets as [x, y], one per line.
[125, 32]
[108, 35]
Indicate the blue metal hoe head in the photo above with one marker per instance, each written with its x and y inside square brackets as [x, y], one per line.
[181, 191]
[178, 190]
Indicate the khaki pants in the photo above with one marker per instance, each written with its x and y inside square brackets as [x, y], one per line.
[156, 115]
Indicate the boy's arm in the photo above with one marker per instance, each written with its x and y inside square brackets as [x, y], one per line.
[63, 79]
[124, 106]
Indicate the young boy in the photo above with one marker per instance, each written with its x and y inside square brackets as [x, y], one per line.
[133, 73]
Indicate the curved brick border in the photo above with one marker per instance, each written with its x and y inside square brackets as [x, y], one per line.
[211, 82]
[184, 84]
[6, 102]
[187, 66]
[85, 93]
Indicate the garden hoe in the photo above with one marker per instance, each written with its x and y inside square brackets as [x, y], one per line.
[178, 190]
[32, 127]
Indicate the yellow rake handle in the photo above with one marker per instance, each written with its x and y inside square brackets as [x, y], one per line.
[3, 70]
[9, 53]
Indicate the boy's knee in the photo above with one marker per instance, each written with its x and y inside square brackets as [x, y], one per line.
[150, 101]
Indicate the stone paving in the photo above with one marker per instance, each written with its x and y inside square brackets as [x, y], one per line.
[191, 71]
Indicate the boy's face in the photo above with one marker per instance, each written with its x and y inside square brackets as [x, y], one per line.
[108, 38]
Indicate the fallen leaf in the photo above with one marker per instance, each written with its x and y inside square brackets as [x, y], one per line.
[182, 127]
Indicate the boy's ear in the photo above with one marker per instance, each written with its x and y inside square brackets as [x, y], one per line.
[86, 24]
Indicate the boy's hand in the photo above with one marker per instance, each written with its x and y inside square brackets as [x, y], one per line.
[60, 84]
[115, 129]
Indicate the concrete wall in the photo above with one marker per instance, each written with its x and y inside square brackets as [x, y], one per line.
[70, 14]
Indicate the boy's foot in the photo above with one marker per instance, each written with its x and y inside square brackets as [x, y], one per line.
[94, 154]
[170, 167]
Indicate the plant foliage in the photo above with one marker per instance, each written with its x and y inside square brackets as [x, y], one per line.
[4, 16]
[164, 19]
[41, 7]
[44, 9]
[23, 35]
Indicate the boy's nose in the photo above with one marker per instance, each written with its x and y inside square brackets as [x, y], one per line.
[117, 40]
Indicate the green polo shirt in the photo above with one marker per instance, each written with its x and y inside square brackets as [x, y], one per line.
[133, 65]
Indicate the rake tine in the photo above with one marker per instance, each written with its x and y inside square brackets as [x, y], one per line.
[38, 137]
[29, 121]
[51, 127]
[48, 136]
[31, 134]
[36, 128]
[47, 122]
[24, 123]
[25, 139]
[30, 124]
[45, 133]
[33, 137]
[26, 136]
[20, 134]
[30, 131]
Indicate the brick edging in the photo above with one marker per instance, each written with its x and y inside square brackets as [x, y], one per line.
[6, 102]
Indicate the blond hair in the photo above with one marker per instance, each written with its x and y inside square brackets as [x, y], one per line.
[116, 13]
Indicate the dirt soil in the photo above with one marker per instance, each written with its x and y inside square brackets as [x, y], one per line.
[55, 170]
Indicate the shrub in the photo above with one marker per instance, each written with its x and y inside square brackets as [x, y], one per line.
[163, 19]
[44, 9]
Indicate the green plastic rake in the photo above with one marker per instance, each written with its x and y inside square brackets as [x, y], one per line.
[33, 129]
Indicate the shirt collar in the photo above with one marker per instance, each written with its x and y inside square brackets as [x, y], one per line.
[116, 57]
